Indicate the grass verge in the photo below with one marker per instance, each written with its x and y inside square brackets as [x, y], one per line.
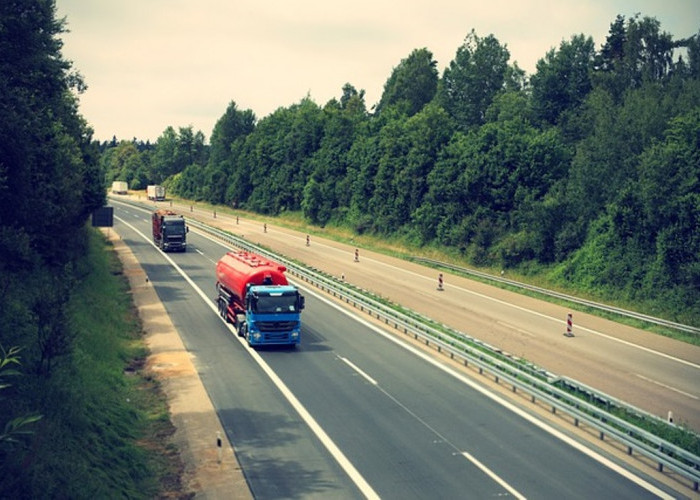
[105, 426]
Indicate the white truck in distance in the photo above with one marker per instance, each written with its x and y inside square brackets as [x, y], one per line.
[120, 187]
[155, 192]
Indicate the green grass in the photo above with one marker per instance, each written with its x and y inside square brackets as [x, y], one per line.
[105, 424]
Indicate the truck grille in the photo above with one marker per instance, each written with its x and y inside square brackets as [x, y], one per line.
[276, 326]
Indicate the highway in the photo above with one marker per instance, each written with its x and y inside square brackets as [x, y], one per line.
[654, 373]
[353, 412]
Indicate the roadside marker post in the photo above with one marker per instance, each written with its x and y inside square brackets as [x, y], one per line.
[569, 326]
[440, 283]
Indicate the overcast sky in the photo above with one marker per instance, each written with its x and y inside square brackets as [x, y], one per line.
[150, 64]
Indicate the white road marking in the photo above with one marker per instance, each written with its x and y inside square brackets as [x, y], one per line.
[347, 466]
[541, 315]
[630, 476]
[332, 448]
[354, 367]
[670, 388]
[535, 313]
[493, 476]
[441, 438]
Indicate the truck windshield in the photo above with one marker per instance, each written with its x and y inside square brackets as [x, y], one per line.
[175, 227]
[267, 304]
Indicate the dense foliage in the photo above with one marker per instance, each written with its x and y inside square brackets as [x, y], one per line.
[588, 168]
[49, 184]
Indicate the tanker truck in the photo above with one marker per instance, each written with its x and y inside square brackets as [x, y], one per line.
[169, 230]
[254, 295]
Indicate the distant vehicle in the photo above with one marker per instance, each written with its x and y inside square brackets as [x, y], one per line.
[254, 295]
[169, 231]
[155, 192]
[120, 187]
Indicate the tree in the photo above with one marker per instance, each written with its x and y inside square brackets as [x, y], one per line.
[412, 84]
[669, 187]
[174, 151]
[472, 79]
[635, 51]
[233, 125]
[562, 80]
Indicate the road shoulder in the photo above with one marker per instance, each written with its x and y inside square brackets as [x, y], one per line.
[191, 411]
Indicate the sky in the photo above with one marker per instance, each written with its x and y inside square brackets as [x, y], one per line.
[150, 64]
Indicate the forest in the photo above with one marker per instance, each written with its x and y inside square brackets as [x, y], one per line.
[588, 170]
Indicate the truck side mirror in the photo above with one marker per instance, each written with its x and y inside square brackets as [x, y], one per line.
[187, 229]
[301, 302]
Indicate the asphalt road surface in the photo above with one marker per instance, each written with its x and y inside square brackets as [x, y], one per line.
[654, 373]
[352, 412]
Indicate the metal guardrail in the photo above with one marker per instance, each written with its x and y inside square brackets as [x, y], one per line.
[521, 376]
[576, 300]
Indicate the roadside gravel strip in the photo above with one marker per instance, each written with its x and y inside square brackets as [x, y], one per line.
[191, 410]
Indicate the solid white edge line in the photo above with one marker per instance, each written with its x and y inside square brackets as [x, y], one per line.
[493, 476]
[337, 454]
[508, 405]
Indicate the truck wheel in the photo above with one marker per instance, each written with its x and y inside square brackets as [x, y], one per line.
[222, 310]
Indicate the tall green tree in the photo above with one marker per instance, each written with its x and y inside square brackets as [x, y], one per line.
[174, 151]
[477, 73]
[328, 189]
[635, 51]
[230, 130]
[49, 184]
[233, 125]
[562, 80]
[412, 84]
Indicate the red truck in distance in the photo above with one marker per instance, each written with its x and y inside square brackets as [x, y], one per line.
[169, 230]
